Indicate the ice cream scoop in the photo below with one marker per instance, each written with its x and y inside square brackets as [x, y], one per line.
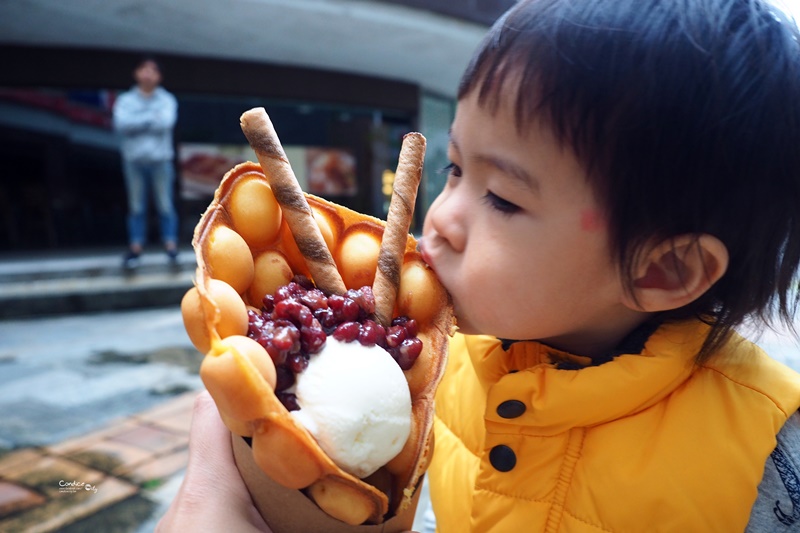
[355, 401]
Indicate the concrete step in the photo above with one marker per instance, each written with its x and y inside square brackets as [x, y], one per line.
[92, 281]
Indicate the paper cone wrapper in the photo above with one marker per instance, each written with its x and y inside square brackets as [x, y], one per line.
[290, 511]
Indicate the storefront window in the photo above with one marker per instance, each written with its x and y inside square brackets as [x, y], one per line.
[62, 183]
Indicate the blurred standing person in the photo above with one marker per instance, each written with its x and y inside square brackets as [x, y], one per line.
[144, 117]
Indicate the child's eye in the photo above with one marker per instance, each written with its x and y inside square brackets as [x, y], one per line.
[452, 170]
[500, 204]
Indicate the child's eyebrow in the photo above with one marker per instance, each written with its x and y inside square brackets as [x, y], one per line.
[512, 170]
[507, 167]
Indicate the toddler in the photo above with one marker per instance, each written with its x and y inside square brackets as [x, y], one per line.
[623, 193]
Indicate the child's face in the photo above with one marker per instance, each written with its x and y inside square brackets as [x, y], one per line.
[519, 240]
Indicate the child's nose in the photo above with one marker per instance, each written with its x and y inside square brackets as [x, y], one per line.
[447, 216]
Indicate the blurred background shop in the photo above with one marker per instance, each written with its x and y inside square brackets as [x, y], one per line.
[343, 80]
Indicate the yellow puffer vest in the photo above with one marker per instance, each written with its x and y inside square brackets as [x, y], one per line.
[646, 442]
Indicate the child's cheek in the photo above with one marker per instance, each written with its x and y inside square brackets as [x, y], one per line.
[592, 220]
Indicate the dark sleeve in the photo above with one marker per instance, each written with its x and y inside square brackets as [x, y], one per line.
[777, 508]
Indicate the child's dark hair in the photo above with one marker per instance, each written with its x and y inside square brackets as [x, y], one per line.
[686, 117]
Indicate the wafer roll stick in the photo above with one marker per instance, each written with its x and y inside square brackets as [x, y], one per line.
[261, 135]
[398, 222]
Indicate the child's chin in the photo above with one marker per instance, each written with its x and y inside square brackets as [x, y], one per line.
[467, 328]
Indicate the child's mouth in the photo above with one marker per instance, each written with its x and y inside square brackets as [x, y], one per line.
[424, 253]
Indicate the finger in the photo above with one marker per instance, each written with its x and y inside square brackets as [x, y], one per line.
[212, 491]
[211, 466]
[209, 439]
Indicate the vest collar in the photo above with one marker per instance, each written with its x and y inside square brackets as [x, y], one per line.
[627, 384]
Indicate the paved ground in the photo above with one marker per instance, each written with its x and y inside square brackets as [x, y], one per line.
[96, 410]
[102, 402]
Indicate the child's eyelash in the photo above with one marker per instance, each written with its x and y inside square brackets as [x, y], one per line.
[500, 204]
[451, 168]
[491, 199]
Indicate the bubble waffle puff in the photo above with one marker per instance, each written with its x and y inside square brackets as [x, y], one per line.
[243, 240]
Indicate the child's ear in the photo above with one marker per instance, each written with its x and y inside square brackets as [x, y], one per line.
[677, 271]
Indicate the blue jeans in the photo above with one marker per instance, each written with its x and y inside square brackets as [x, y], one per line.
[140, 177]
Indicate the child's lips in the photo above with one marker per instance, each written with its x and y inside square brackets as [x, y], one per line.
[424, 246]
[424, 253]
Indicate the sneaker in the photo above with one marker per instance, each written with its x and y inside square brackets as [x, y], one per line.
[131, 260]
[172, 253]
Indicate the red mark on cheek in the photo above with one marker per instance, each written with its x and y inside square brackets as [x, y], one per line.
[591, 220]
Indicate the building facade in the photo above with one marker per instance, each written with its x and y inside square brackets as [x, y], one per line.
[341, 100]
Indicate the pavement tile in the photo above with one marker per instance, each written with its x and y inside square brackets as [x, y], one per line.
[177, 422]
[68, 507]
[150, 438]
[111, 456]
[51, 475]
[178, 406]
[15, 498]
[159, 468]
[13, 459]
[90, 439]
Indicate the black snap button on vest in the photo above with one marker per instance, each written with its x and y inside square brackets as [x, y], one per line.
[502, 458]
[511, 409]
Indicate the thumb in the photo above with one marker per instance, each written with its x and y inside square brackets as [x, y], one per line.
[210, 454]
[212, 493]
